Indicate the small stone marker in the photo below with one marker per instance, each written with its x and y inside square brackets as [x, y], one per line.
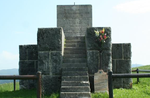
[100, 81]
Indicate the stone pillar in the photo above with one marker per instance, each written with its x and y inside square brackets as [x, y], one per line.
[74, 19]
[97, 60]
[28, 64]
[121, 58]
[50, 52]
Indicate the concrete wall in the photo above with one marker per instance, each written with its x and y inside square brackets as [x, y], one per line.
[28, 64]
[50, 52]
[121, 58]
[74, 19]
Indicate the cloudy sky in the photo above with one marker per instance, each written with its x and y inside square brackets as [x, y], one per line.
[20, 19]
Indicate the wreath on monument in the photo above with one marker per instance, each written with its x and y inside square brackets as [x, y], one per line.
[101, 37]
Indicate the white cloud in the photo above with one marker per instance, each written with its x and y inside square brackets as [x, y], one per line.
[8, 60]
[134, 7]
[9, 56]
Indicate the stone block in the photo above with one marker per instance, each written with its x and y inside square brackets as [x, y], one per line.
[127, 51]
[93, 61]
[114, 69]
[74, 19]
[44, 62]
[117, 50]
[27, 67]
[123, 66]
[91, 42]
[56, 61]
[106, 60]
[28, 52]
[50, 39]
[118, 83]
[127, 82]
[100, 81]
[50, 84]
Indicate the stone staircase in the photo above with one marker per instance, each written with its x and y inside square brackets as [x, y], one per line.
[75, 80]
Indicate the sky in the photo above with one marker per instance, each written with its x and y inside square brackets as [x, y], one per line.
[20, 19]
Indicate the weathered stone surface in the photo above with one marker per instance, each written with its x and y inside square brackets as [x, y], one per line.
[28, 52]
[123, 66]
[51, 84]
[127, 51]
[27, 67]
[44, 62]
[50, 39]
[100, 81]
[49, 62]
[91, 39]
[106, 61]
[117, 50]
[93, 61]
[56, 61]
[74, 19]
[118, 83]
[127, 83]
[114, 69]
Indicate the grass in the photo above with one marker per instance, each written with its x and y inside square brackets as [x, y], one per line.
[140, 90]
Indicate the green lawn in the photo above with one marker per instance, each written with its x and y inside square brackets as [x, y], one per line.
[140, 90]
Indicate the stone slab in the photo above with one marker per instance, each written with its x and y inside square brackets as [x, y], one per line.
[123, 66]
[50, 84]
[127, 51]
[28, 52]
[74, 19]
[93, 61]
[117, 51]
[106, 60]
[91, 39]
[50, 39]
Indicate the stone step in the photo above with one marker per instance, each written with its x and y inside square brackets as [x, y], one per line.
[75, 83]
[74, 51]
[75, 78]
[71, 65]
[79, 38]
[75, 95]
[74, 56]
[75, 68]
[74, 60]
[74, 41]
[75, 45]
[74, 73]
[75, 89]
[74, 48]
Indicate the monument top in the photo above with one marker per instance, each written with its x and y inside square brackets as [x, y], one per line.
[74, 19]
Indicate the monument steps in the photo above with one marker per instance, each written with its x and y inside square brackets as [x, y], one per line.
[73, 64]
[75, 83]
[74, 52]
[75, 79]
[74, 73]
[75, 95]
[74, 60]
[74, 55]
[79, 68]
[75, 88]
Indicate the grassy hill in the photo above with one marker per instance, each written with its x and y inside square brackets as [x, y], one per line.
[140, 90]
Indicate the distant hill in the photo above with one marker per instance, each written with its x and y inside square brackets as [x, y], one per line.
[8, 72]
[136, 65]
